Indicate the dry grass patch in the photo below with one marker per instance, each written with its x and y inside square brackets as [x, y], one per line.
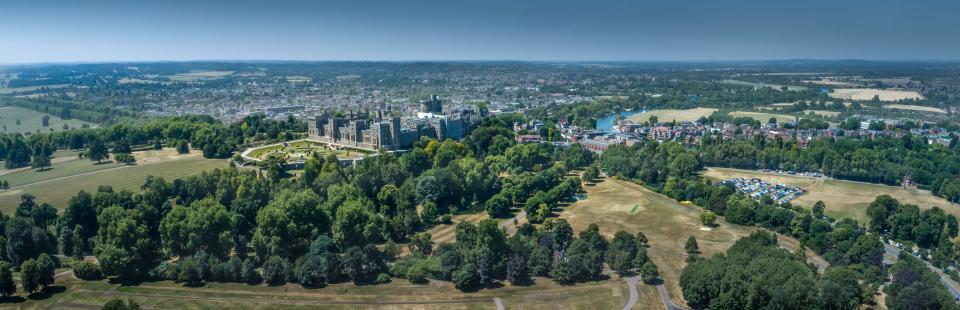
[689, 115]
[914, 108]
[822, 112]
[763, 117]
[843, 198]
[621, 205]
[869, 93]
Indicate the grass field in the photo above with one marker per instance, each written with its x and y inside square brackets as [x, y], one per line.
[31, 121]
[759, 85]
[4, 91]
[300, 150]
[869, 93]
[831, 82]
[621, 205]
[763, 117]
[57, 187]
[689, 115]
[843, 198]
[399, 294]
[913, 108]
[822, 112]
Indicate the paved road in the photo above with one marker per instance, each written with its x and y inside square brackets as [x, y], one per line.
[632, 286]
[667, 302]
[951, 286]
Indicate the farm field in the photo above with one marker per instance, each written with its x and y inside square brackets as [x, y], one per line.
[822, 112]
[763, 117]
[194, 76]
[31, 121]
[30, 88]
[758, 85]
[843, 198]
[830, 82]
[622, 205]
[57, 189]
[913, 108]
[869, 93]
[689, 115]
[398, 294]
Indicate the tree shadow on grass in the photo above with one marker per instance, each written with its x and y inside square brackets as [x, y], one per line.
[125, 282]
[12, 300]
[47, 292]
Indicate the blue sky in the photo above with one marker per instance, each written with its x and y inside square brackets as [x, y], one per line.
[676, 30]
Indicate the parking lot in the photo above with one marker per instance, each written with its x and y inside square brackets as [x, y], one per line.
[757, 188]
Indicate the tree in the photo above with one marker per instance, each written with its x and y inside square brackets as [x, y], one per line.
[46, 268]
[97, 151]
[7, 286]
[248, 272]
[204, 225]
[87, 271]
[125, 158]
[691, 246]
[590, 174]
[273, 271]
[498, 205]
[40, 159]
[649, 273]
[312, 271]
[183, 147]
[839, 289]
[621, 252]
[118, 304]
[517, 269]
[641, 239]
[29, 276]
[427, 189]
[45, 121]
[708, 218]
[421, 244]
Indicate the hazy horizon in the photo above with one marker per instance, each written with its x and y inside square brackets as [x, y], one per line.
[49, 31]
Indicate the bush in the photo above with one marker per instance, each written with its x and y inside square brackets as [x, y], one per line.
[383, 278]
[416, 275]
[446, 219]
[88, 271]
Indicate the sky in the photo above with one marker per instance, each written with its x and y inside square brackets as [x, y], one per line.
[34, 31]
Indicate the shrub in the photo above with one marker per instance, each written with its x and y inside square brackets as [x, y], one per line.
[88, 271]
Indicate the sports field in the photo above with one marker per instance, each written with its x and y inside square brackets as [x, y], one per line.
[763, 117]
[66, 178]
[31, 121]
[843, 198]
[689, 115]
[621, 205]
[869, 93]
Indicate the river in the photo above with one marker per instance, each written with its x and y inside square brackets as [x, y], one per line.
[607, 122]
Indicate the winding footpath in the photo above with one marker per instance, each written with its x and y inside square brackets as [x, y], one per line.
[667, 302]
[632, 287]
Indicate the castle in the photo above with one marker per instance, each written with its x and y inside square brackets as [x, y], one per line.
[363, 129]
